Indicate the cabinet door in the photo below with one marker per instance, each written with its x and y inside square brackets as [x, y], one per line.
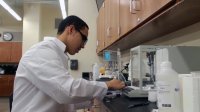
[111, 21]
[101, 29]
[107, 23]
[127, 17]
[4, 84]
[114, 20]
[16, 52]
[5, 50]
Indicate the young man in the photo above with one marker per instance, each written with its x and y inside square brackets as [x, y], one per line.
[43, 82]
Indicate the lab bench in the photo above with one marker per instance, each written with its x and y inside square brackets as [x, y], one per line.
[125, 104]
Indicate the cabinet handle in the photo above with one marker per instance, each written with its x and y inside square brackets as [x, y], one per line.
[131, 7]
[138, 20]
[118, 31]
[138, 5]
[135, 5]
[108, 32]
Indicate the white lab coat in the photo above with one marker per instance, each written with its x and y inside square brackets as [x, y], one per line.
[43, 83]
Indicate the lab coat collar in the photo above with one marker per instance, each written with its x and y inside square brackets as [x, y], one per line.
[59, 43]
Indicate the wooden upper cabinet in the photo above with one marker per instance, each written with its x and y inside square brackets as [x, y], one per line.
[124, 16]
[101, 29]
[5, 50]
[114, 20]
[107, 22]
[127, 17]
[10, 52]
[16, 51]
[111, 21]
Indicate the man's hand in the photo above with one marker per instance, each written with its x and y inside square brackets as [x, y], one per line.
[115, 84]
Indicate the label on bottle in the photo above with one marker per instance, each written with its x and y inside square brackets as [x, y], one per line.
[165, 94]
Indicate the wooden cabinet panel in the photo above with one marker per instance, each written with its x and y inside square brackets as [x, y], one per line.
[146, 8]
[114, 20]
[111, 21]
[3, 86]
[124, 16]
[162, 3]
[127, 18]
[5, 50]
[101, 29]
[6, 85]
[10, 52]
[107, 22]
[16, 52]
[10, 84]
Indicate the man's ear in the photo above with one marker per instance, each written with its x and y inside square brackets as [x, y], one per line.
[69, 29]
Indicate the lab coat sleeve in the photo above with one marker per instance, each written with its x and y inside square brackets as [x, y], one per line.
[47, 73]
[82, 105]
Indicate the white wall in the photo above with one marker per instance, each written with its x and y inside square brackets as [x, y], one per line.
[48, 14]
[11, 29]
[38, 22]
[31, 25]
[87, 10]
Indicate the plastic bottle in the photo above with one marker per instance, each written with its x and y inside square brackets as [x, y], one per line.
[168, 94]
[95, 71]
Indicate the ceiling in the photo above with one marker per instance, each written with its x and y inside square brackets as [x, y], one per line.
[17, 5]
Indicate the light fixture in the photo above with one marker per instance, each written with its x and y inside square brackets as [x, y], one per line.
[63, 9]
[11, 11]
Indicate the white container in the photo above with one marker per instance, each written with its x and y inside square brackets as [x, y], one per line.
[168, 94]
[152, 95]
[95, 71]
[191, 93]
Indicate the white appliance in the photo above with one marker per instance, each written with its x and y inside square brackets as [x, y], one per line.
[191, 93]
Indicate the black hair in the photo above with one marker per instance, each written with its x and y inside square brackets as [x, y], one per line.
[71, 20]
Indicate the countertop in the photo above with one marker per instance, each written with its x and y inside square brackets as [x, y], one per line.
[122, 103]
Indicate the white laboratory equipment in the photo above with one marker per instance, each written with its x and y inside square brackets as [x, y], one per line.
[95, 71]
[145, 61]
[142, 70]
[110, 59]
[112, 62]
[190, 84]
